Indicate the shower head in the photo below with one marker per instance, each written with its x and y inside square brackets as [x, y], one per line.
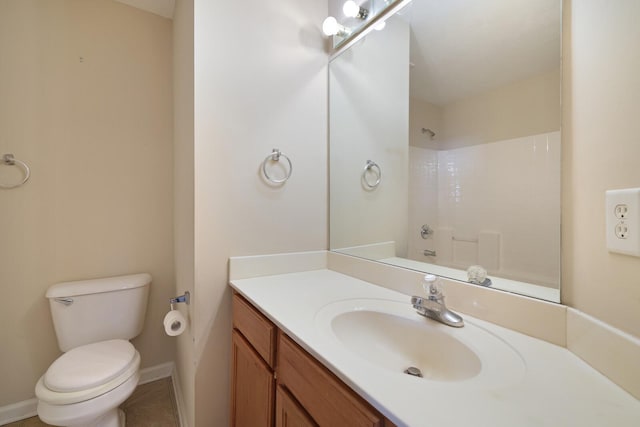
[431, 133]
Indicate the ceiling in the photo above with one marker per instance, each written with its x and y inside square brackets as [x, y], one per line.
[159, 7]
[464, 47]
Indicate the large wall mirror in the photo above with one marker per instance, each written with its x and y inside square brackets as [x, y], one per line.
[445, 143]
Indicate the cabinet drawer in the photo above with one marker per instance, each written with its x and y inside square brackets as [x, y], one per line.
[327, 400]
[256, 328]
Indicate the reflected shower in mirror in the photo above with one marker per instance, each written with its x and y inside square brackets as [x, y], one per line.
[458, 105]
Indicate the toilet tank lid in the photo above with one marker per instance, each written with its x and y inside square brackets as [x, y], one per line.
[94, 286]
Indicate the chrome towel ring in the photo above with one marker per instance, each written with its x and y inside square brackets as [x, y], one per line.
[275, 157]
[9, 160]
[371, 167]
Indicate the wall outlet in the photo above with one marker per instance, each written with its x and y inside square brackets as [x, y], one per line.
[623, 221]
[622, 230]
[621, 211]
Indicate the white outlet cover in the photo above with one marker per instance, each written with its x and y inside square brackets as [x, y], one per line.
[623, 214]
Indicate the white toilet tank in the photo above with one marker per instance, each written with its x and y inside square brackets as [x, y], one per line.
[89, 311]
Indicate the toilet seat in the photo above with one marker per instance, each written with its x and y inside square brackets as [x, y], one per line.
[88, 371]
[89, 366]
[88, 411]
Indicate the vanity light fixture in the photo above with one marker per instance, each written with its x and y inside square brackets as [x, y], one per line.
[351, 9]
[331, 27]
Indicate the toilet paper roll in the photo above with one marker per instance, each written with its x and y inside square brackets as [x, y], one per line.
[174, 323]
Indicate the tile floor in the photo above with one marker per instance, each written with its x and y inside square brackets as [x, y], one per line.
[151, 405]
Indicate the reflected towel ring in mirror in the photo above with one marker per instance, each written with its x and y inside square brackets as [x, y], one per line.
[371, 167]
[9, 160]
[275, 157]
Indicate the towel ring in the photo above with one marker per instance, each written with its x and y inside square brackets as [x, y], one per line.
[275, 157]
[372, 167]
[9, 160]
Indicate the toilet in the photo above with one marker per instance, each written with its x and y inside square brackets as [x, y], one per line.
[94, 321]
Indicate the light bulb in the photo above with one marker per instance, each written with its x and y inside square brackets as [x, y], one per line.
[330, 26]
[350, 9]
[380, 26]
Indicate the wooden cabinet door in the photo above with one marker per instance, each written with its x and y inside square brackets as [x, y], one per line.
[327, 399]
[252, 386]
[289, 413]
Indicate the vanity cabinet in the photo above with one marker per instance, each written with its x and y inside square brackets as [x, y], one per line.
[275, 382]
[253, 346]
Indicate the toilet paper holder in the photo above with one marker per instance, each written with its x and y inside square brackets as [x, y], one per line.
[186, 298]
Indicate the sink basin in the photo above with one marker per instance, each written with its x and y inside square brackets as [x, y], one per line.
[393, 341]
[391, 336]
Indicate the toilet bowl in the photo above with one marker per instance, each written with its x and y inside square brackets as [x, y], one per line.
[100, 368]
[85, 385]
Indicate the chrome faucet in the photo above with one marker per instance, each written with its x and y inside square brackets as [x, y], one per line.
[433, 305]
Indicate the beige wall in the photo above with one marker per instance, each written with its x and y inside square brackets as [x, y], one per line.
[523, 108]
[183, 180]
[601, 148]
[260, 83]
[97, 134]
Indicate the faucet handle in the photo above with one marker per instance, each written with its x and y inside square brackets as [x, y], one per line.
[433, 305]
[431, 286]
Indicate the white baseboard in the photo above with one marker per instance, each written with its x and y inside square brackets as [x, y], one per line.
[18, 411]
[156, 372]
[177, 390]
[27, 408]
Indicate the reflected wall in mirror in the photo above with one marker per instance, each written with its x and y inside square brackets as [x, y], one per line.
[458, 105]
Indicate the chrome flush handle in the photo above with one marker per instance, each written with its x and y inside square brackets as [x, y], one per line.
[65, 301]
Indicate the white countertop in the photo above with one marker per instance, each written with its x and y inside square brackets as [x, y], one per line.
[557, 388]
